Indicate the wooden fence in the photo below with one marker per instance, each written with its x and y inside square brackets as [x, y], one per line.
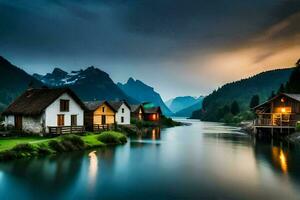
[66, 129]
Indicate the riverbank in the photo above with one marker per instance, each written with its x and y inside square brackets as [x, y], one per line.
[28, 147]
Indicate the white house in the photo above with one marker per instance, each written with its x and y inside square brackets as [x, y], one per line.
[46, 110]
[122, 112]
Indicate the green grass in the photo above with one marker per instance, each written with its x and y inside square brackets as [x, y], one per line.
[92, 140]
[8, 143]
[25, 147]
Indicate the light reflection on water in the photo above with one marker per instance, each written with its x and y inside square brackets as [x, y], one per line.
[201, 161]
[93, 168]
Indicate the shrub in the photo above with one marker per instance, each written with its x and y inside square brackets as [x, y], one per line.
[75, 140]
[20, 148]
[298, 127]
[56, 146]
[108, 138]
[111, 137]
[42, 150]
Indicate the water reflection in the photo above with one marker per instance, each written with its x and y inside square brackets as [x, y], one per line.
[93, 168]
[202, 161]
[280, 158]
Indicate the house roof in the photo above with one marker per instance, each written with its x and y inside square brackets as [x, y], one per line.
[35, 101]
[152, 110]
[117, 104]
[135, 107]
[292, 96]
[94, 105]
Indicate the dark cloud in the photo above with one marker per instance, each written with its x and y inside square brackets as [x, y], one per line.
[135, 34]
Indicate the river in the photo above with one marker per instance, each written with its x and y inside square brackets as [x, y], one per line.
[200, 161]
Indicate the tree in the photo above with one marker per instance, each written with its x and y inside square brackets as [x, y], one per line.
[281, 89]
[235, 108]
[293, 84]
[254, 101]
[272, 95]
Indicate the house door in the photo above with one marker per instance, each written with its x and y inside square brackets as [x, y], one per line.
[18, 122]
[103, 119]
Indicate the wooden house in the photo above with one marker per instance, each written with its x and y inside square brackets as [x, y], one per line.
[99, 115]
[137, 112]
[46, 110]
[152, 113]
[122, 112]
[280, 113]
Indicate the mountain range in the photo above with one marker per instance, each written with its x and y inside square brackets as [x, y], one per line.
[13, 81]
[144, 93]
[185, 105]
[90, 84]
[242, 91]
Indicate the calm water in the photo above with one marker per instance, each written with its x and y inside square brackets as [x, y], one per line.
[201, 161]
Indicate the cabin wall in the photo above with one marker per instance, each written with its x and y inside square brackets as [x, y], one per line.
[32, 124]
[125, 115]
[9, 120]
[108, 113]
[53, 110]
[277, 105]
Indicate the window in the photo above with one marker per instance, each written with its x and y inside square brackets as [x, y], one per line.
[103, 109]
[64, 105]
[73, 120]
[60, 120]
[123, 110]
[122, 119]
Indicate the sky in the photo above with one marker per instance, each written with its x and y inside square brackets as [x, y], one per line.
[188, 47]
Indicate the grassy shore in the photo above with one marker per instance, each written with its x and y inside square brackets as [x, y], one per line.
[25, 147]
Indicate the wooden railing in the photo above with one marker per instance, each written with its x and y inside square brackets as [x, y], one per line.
[102, 127]
[270, 122]
[66, 129]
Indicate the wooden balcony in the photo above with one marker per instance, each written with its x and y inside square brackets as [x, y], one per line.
[60, 130]
[276, 120]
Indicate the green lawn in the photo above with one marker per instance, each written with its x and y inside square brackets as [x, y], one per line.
[90, 139]
[8, 143]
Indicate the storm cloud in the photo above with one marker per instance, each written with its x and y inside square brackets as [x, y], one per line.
[178, 41]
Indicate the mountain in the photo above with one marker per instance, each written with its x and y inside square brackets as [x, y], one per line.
[188, 111]
[89, 84]
[13, 81]
[242, 91]
[180, 103]
[144, 93]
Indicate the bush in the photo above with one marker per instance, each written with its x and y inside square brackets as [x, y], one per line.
[111, 137]
[42, 150]
[21, 148]
[67, 143]
[298, 127]
[75, 140]
[56, 146]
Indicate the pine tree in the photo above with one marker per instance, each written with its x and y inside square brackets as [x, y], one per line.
[235, 108]
[293, 84]
[254, 101]
[272, 95]
[281, 89]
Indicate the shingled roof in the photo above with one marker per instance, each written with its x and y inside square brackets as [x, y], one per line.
[152, 110]
[292, 96]
[94, 105]
[135, 108]
[117, 104]
[35, 101]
